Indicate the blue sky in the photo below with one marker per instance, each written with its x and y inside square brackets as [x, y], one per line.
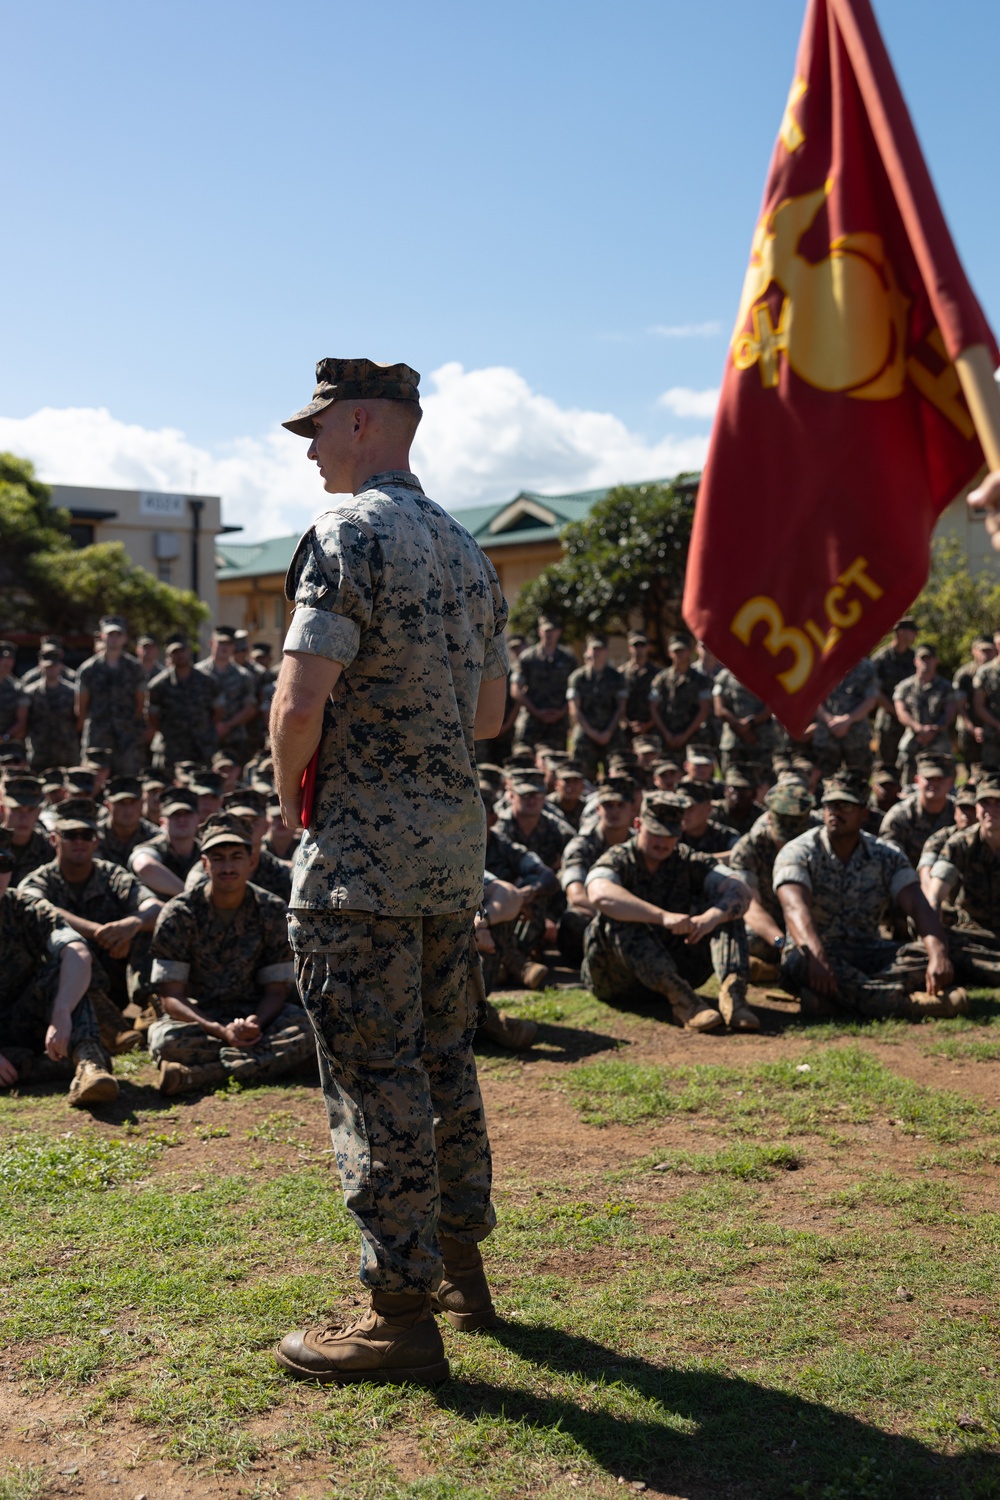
[203, 199]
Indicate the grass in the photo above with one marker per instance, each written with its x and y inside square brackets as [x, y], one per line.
[710, 1318]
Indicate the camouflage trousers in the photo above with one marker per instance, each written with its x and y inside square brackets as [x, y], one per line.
[975, 954]
[634, 962]
[591, 756]
[573, 926]
[23, 1025]
[873, 978]
[888, 733]
[395, 1010]
[752, 760]
[285, 1046]
[530, 732]
[514, 942]
[853, 752]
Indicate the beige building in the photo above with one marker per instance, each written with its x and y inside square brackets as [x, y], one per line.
[171, 536]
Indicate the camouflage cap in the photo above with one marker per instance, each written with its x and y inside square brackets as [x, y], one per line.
[616, 789]
[696, 791]
[906, 623]
[178, 799]
[885, 776]
[648, 744]
[226, 828]
[184, 770]
[666, 765]
[120, 787]
[245, 802]
[524, 785]
[207, 784]
[52, 780]
[491, 773]
[661, 813]
[488, 791]
[966, 795]
[23, 791]
[13, 755]
[987, 787]
[223, 758]
[638, 638]
[931, 764]
[99, 758]
[153, 783]
[354, 380]
[81, 781]
[789, 800]
[735, 777]
[569, 770]
[698, 759]
[50, 653]
[844, 789]
[76, 812]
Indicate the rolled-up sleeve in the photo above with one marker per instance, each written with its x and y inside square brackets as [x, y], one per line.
[332, 581]
[319, 633]
[169, 971]
[901, 879]
[276, 973]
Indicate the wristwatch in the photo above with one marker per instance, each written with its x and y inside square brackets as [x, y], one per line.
[779, 942]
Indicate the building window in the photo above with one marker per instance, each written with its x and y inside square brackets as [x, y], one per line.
[279, 613]
[164, 569]
[81, 534]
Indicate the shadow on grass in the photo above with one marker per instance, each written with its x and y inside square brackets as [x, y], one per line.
[554, 1043]
[718, 1435]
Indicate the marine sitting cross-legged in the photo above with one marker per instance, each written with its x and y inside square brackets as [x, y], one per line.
[223, 970]
[649, 940]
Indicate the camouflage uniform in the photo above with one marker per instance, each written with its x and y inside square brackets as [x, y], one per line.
[854, 751]
[572, 817]
[108, 894]
[715, 839]
[233, 690]
[848, 902]
[27, 857]
[269, 874]
[177, 864]
[988, 678]
[51, 734]
[111, 713]
[677, 697]
[752, 860]
[635, 962]
[11, 690]
[32, 937]
[893, 667]
[597, 695]
[185, 707]
[971, 752]
[118, 851]
[740, 701]
[547, 840]
[545, 680]
[579, 856]
[908, 826]
[222, 958]
[971, 871]
[389, 876]
[638, 681]
[285, 859]
[508, 860]
[928, 704]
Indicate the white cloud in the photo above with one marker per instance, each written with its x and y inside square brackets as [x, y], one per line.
[686, 330]
[684, 402]
[485, 435]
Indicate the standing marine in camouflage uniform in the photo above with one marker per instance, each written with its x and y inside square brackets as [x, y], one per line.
[648, 943]
[986, 707]
[680, 700]
[970, 727]
[223, 970]
[395, 665]
[235, 692]
[182, 710]
[835, 885]
[596, 694]
[638, 673]
[749, 731]
[843, 733]
[539, 683]
[10, 693]
[50, 723]
[894, 663]
[48, 1030]
[925, 706]
[110, 700]
[967, 874]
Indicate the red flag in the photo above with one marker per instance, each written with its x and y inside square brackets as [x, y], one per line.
[842, 432]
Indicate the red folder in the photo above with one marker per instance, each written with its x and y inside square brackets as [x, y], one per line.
[309, 789]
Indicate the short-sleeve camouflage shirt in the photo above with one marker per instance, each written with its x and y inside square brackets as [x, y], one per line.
[987, 677]
[31, 932]
[851, 691]
[177, 864]
[111, 710]
[908, 825]
[545, 678]
[968, 860]
[638, 681]
[108, 894]
[396, 590]
[753, 859]
[548, 839]
[927, 703]
[596, 694]
[848, 899]
[893, 667]
[676, 884]
[222, 957]
[679, 695]
[742, 704]
[185, 709]
[51, 732]
[508, 860]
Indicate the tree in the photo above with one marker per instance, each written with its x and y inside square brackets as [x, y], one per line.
[626, 558]
[48, 585]
[954, 606]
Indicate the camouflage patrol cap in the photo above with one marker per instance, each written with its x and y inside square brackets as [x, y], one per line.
[698, 758]
[245, 802]
[661, 813]
[23, 791]
[76, 812]
[638, 638]
[885, 776]
[223, 758]
[50, 653]
[966, 795]
[524, 785]
[354, 380]
[734, 777]
[789, 800]
[648, 744]
[488, 791]
[226, 828]
[120, 787]
[12, 755]
[616, 789]
[665, 765]
[53, 781]
[696, 791]
[987, 787]
[569, 770]
[844, 789]
[491, 773]
[184, 770]
[153, 783]
[931, 764]
[207, 784]
[178, 799]
[98, 758]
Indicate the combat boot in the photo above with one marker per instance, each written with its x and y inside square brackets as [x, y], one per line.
[463, 1293]
[733, 1005]
[953, 1002]
[93, 1082]
[175, 1078]
[396, 1340]
[691, 1012]
[127, 1041]
[761, 972]
[507, 1031]
[535, 976]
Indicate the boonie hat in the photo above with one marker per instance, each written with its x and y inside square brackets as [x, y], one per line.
[354, 380]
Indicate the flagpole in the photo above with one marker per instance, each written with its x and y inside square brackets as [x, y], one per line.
[975, 371]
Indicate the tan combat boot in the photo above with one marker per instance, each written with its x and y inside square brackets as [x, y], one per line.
[953, 1002]
[535, 976]
[175, 1078]
[507, 1031]
[761, 972]
[733, 1005]
[463, 1293]
[92, 1082]
[396, 1340]
[691, 1012]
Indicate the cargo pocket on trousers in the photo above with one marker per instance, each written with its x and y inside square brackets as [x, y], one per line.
[343, 992]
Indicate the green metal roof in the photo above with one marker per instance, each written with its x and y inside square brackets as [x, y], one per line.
[514, 522]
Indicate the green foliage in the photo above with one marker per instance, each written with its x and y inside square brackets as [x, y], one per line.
[954, 607]
[50, 585]
[628, 556]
